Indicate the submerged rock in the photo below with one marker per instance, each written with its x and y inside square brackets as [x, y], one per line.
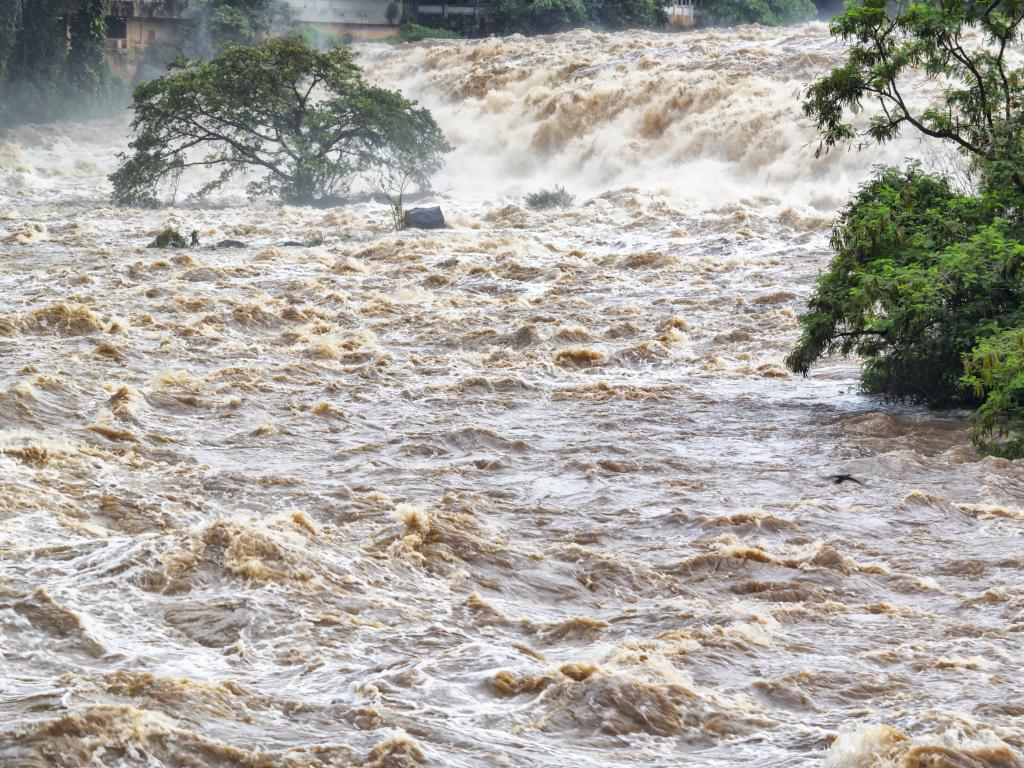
[424, 218]
[231, 244]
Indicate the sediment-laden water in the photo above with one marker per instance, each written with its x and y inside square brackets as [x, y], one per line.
[535, 490]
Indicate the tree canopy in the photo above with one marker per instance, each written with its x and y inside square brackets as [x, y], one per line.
[307, 121]
[927, 281]
[957, 48]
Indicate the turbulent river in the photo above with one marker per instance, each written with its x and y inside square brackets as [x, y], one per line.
[535, 490]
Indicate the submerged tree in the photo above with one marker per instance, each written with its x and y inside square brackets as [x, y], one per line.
[927, 283]
[307, 121]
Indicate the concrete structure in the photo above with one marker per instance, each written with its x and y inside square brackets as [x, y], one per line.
[682, 13]
[358, 19]
[135, 27]
[427, 8]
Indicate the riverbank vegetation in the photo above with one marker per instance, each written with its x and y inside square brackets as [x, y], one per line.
[51, 62]
[534, 17]
[927, 281]
[770, 13]
[53, 53]
[306, 120]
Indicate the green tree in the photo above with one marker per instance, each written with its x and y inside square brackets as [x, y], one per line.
[625, 14]
[927, 283]
[536, 17]
[980, 112]
[86, 65]
[772, 13]
[308, 121]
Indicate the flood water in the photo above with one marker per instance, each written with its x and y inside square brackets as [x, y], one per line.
[535, 490]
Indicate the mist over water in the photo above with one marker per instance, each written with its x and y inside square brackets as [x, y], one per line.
[535, 490]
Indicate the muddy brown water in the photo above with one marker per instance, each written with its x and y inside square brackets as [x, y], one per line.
[535, 490]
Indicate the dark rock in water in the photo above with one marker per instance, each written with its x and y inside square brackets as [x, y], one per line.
[231, 244]
[424, 218]
[169, 238]
[291, 244]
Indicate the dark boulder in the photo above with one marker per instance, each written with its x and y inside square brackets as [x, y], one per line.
[231, 244]
[424, 218]
[169, 238]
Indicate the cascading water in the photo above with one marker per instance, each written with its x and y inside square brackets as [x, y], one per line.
[535, 490]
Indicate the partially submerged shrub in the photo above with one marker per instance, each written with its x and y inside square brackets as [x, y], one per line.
[544, 199]
[169, 238]
[313, 239]
[995, 372]
[927, 283]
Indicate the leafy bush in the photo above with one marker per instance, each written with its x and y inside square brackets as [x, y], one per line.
[545, 199]
[412, 33]
[772, 13]
[995, 372]
[169, 238]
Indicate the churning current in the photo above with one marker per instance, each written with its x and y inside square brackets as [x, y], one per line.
[535, 490]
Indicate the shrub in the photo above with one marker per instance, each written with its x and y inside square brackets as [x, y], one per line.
[169, 238]
[412, 33]
[545, 199]
[995, 372]
[920, 273]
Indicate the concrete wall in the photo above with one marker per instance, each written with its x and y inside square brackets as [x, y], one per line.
[681, 14]
[127, 54]
[336, 13]
[149, 25]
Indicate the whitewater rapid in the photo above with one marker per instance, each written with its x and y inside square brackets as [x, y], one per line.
[535, 490]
